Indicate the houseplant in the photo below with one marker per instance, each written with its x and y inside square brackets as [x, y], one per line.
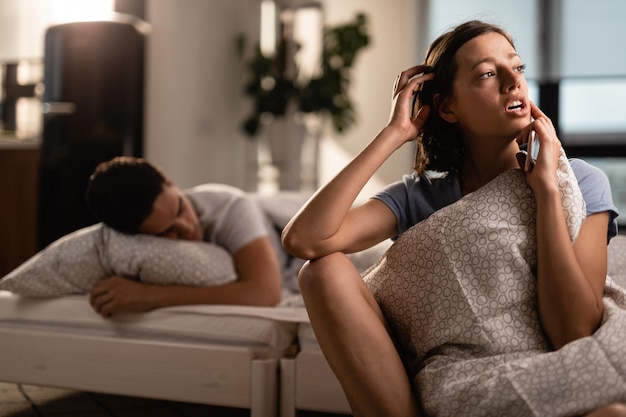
[274, 84]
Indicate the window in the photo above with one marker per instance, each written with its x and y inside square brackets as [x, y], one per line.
[592, 105]
[518, 18]
[592, 69]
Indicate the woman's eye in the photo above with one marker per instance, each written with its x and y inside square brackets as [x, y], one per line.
[487, 74]
[521, 68]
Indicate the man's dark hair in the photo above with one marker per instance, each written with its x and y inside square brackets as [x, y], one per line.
[121, 192]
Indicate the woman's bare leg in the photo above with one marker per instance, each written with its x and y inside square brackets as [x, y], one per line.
[613, 410]
[351, 331]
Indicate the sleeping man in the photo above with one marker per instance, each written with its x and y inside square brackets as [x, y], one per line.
[132, 196]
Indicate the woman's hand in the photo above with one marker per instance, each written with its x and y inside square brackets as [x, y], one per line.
[404, 91]
[542, 176]
[570, 277]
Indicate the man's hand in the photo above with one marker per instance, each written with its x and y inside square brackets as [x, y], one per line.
[258, 284]
[117, 293]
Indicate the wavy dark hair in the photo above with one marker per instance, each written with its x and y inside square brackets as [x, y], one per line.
[121, 192]
[439, 146]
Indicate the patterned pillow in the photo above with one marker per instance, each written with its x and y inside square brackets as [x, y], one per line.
[159, 260]
[70, 265]
[466, 261]
[75, 262]
[459, 290]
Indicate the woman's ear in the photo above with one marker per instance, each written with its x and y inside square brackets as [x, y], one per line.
[443, 109]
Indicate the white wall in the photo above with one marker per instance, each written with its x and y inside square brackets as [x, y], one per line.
[393, 48]
[195, 77]
[195, 103]
[194, 89]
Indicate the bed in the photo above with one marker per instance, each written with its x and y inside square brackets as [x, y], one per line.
[263, 359]
[219, 355]
[258, 358]
[307, 382]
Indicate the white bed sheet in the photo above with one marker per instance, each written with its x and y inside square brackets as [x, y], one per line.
[269, 331]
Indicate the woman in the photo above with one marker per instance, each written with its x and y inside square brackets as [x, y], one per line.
[474, 113]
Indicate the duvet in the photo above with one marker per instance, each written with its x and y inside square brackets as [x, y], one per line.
[459, 291]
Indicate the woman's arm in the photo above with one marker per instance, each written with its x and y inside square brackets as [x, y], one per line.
[327, 223]
[570, 278]
[258, 283]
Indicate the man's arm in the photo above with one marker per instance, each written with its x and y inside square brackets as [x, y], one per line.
[258, 283]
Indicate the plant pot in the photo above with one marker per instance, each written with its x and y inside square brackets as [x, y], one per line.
[285, 137]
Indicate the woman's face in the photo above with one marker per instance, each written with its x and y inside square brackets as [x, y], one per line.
[490, 94]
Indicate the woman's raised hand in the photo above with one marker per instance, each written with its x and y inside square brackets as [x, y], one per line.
[544, 171]
[404, 91]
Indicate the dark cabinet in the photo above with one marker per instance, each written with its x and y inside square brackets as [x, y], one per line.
[92, 111]
[18, 211]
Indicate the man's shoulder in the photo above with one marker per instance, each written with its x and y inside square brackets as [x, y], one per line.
[212, 200]
[215, 189]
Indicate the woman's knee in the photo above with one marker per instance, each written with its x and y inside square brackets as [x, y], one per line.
[324, 272]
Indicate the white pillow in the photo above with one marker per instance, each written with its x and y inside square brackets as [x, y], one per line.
[75, 262]
[279, 208]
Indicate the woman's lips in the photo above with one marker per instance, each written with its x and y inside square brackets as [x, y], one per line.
[516, 107]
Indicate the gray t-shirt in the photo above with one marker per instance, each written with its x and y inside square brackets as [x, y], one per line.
[233, 218]
[228, 217]
[416, 197]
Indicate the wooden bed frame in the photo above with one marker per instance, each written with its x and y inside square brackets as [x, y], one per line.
[307, 383]
[191, 372]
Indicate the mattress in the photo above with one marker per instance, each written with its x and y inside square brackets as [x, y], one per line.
[269, 331]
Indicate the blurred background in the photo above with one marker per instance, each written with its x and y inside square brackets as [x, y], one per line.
[265, 95]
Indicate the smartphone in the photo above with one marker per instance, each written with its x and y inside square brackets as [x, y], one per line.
[532, 150]
[414, 105]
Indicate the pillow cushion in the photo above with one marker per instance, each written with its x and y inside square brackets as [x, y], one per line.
[70, 265]
[279, 208]
[459, 290]
[160, 260]
[75, 262]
